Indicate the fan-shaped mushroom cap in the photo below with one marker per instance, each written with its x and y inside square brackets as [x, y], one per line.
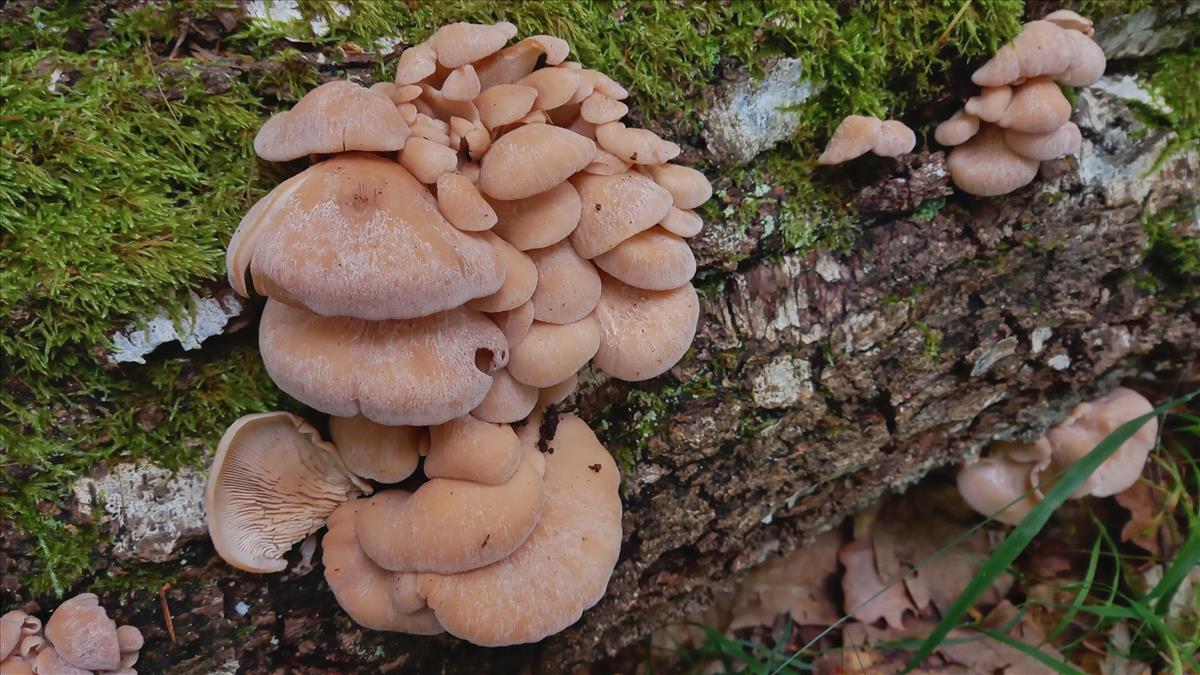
[357, 235]
[538, 221]
[990, 104]
[416, 63]
[1065, 18]
[855, 136]
[1088, 424]
[1038, 107]
[361, 587]
[639, 146]
[558, 393]
[450, 525]
[507, 401]
[593, 80]
[1040, 49]
[473, 450]
[460, 202]
[1003, 68]
[129, 639]
[335, 117]
[428, 160]
[462, 84]
[18, 665]
[598, 108]
[1087, 61]
[458, 44]
[655, 260]
[532, 159]
[406, 93]
[408, 111]
[520, 280]
[504, 104]
[551, 352]
[894, 139]
[14, 626]
[986, 166]
[682, 223]
[957, 130]
[1064, 140]
[272, 483]
[688, 187]
[555, 86]
[643, 333]
[372, 450]
[406, 372]
[568, 286]
[83, 634]
[48, 660]
[514, 323]
[992, 483]
[615, 208]
[606, 164]
[512, 63]
[562, 568]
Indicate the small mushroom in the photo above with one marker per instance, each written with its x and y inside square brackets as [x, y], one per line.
[598, 108]
[894, 139]
[688, 187]
[555, 86]
[428, 160]
[990, 104]
[855, 136]
[272, 483]
[538, 221]
[377, 452]
[1041, 48]
[514, 323]
[644, 333]
[470, 449]
[1065, 18]
[462, 84]
[532, 159]
[335, 117]
[568, 286]
[130, 640]
[462, 205]
[556, 394]
[504, 104]
[655, 260]
[48, 660]
[615, 208]
[83, 635]
[512, 63]
[520, 280]
[1087, 61]
[507, 401]
[606, 164]
[14, 626]
[639, 146]
[682, 223]
[552, 352]
[416, 63]
[959, 129]
[1064, 140]
[986, 166]
[458, 44]
[998, 487]
[1088, 424]
[1037, 107]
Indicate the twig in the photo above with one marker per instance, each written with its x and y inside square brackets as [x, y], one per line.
[154, 72]
[166, 610]
[953, 22]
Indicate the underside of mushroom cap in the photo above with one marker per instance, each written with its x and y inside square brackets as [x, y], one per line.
[562, 568]
[411, 372]
[1091, 422]
[83, 635]
[473, 450]
[357, 235]
[375, 451]
[337, 116]
[644, 333]
[272, 483]
[614, 208]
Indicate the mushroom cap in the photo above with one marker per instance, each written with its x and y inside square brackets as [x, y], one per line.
[458, 44]
[335, 117]
[1043, 49]
[556, 394]
[462, 84]
[1087, 61]
[990, 104]
[986, 166]
[404, 372]
[442, 108]
[563, 567]
[129, 639]
[514, 323]
[688, 187]
[512, 63]
[682, 223]
[532, 159]
[894, 139]
[644, 333]
[655, 260]
[957, 130]
[11, 631]
[992, 483]
[1088, 424]
[18, 665]
[568, 286]
[606, 164]
[416, 63]
[450, 525]
[551, 352]
[1038, 107]
[428, 159]
[538, 221]
[507, 401]
[855, 136]
[520, 279]
[1065, 18]
[470, 449]
[504, 104]
[48, 660]
[1063, 141]
[272, 483]
[380, 453]
[460, 202]
[361, 587]
[555, 86]
[357, 235]
[598, 108]
[83, 635]
[614, 208]
[639, 146]
[1003, 68]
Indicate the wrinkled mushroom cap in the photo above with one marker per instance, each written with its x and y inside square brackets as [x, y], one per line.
[957, 130]
[48, 660]
[473, 450]
[83, 634]
[986, 166]
[894, 139]
[272, 483]
[532, 159]
[992, 483]
[1064, 140]
[551, 352]
[655, 260]
[562, 568]
[568, 286]
[644, 333]
[1091, 422]
[377, 452]
[538, 221]
[337, 116]
[407, 372]
[853, 137]
[614, 208]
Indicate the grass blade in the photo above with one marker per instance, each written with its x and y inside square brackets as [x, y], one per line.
[1032, 652]
[1186, 559]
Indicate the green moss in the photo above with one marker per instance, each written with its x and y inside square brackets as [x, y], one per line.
[1175, 78]
[1172, 251]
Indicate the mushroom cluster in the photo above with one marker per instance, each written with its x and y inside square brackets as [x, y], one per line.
[463, 242]
[1007, 483]
[1020, 117]
[79, 639]
[858, 134]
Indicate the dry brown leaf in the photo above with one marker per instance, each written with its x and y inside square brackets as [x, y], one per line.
[1142, 503]
[802, 584]
[867, 597]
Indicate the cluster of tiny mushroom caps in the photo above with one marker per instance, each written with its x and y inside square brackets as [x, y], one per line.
[79, 639]
[1019, 119]
[464, 242]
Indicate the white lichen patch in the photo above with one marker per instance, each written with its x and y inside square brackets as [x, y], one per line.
[753, 116]
[150, 510]
[782, 382]
[209, 317]
[1038, 338]
[1129, 88]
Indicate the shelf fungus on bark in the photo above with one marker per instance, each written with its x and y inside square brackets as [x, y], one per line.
[431, 293]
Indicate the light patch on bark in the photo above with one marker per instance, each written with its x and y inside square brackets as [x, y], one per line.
[782, 382]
